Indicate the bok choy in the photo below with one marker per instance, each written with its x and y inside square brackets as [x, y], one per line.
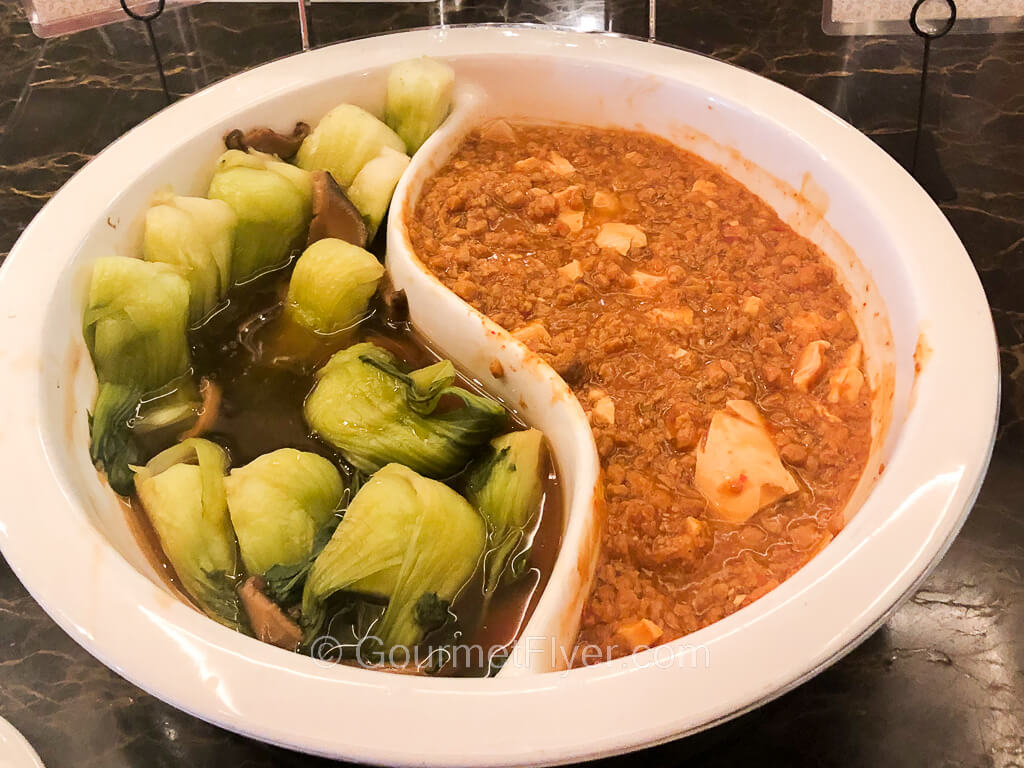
[345, 140]
[374, 185]
[506, 487]
[404, 538]
[197, 236]
[331, 285]
[375, 414]
[274, 204]
[419, 99]
[187, 506]
[278, 502]
[135, 328]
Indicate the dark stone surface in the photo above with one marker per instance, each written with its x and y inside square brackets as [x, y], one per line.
[941, 684]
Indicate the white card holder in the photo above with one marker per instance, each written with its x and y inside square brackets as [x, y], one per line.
[50, 18]
[891, 17]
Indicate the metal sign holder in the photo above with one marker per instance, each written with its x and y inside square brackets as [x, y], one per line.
[147, 19]
[915, 149]
[305, 34]
[927, 35]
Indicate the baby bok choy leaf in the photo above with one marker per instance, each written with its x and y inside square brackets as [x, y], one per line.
[410, 540]
[274, 204]
[506, 487]
[112, 445]
[374, 185]
[176, 406]
[197, 236]
[419, 99]
[187, 506]
[136, 320]
[345, 140]
[135, 328]
[278, 502]
[284, 583]
[374, 414]
[331, 285]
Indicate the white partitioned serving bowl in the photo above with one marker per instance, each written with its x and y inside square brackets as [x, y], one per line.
[931, 358]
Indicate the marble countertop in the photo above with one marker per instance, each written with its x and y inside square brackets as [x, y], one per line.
[941, 684]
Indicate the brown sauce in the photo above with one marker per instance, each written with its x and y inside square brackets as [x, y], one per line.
[149, 543]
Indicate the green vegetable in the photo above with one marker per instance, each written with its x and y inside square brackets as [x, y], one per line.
[419, 99]
[431, 612]
[176, 404]
[274, 204]
[374, 414]
[410, 540]
[277, 503]
[506, 487]
[112, 445]
[285, 582]
[374, 185]
[197, 236]
[135, 322]
[135, 328]
[332, 285]
[345, 140]
[187, 505]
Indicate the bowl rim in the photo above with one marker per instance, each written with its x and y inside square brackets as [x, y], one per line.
[210, 672]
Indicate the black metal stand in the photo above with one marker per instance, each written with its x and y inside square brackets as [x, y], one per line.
[928, 35]
[613, 12]
[306, 25]
[916, 150]
[147, 19]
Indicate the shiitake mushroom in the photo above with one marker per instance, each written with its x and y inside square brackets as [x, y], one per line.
[268, 140]
[334, 215]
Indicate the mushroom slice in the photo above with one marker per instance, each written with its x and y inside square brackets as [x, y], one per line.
[209, 410]
[620, 237]
[846, 382]
[333, 213]
[396, 304]
[269, 623]
[809, 366]
[267, 140]
[738, 467]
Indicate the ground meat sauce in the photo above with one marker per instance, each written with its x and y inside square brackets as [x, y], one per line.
[685, 315]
